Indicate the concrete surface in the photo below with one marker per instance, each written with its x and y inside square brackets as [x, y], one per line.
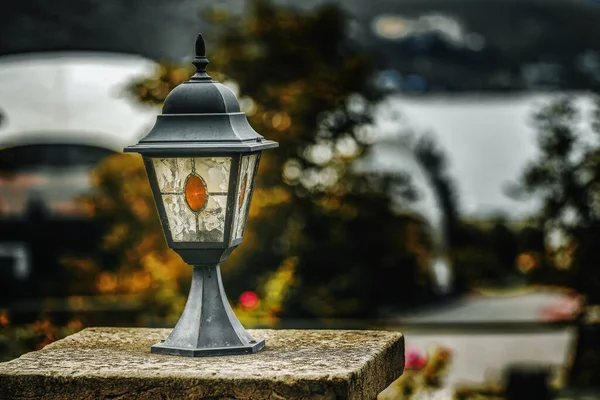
[116, 363]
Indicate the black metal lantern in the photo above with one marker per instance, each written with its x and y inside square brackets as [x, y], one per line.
[202, 157]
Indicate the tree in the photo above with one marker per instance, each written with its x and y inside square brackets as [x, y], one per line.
[566, 177]
[435, 163]
[321, 239]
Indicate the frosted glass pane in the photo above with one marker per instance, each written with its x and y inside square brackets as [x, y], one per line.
[211, 220]
[194, 222]
[215, 172]
[182, 221]
[244, 190]
[171, 173]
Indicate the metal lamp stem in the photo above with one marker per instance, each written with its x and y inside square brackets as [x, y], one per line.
[208, 325]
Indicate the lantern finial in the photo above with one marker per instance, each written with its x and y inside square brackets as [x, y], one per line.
[200, 61]
[200, 46]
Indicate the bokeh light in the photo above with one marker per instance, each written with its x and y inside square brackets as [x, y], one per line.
[249, 300]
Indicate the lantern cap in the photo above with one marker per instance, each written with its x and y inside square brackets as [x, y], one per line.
[199, 117]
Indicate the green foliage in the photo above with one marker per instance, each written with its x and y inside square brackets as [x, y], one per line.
[566, 177]
[566, 171]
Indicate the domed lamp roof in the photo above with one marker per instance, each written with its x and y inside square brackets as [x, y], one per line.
[201, 116]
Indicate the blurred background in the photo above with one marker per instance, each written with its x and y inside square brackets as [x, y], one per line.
[438, 174]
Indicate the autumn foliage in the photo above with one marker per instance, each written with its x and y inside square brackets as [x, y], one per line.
[321, 238]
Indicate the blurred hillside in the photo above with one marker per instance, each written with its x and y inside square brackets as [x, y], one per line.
[420, 46]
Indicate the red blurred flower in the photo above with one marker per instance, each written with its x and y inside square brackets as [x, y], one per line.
[249, 300]
[414, 358]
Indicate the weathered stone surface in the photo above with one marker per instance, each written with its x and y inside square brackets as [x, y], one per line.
[116, 363]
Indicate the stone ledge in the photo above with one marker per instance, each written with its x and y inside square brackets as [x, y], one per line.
[116, 363]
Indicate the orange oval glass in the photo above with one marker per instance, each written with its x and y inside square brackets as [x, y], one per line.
[195, 193]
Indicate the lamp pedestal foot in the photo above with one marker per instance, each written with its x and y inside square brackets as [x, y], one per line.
[208, 325]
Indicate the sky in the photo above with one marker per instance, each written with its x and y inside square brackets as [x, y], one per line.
[81, 97]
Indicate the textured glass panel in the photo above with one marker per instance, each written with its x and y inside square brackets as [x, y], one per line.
[212, 219]
[215, 172]
[171, 173]
[196, 213]
[182, 221]
[244, 191]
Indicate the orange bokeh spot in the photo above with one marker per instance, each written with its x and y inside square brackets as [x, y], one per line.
[526, 262]
[4, 320]
[105, 283]
[195, 193]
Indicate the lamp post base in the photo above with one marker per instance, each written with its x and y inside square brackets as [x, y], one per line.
[208, 326]
[160, 348]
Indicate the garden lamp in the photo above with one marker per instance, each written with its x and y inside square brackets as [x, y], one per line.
[202, 158]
